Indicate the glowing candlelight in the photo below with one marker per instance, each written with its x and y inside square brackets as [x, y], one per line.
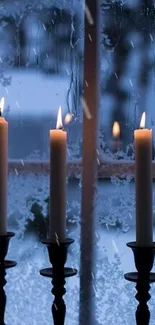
[59, 119]
[142, 122]
[68, 118]
[116, 130]
[1, 105]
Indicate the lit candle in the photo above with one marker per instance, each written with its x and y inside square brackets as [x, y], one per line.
[116, 130]
[143, 178]
[57, 220]
[116, 143]
[3, 169]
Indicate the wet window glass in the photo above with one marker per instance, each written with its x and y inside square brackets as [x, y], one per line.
[42, 60]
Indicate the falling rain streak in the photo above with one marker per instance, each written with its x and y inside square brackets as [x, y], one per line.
[89, 15]
[93, 275]
[67, 71]
[90, 37]
[34, 50]
[130, 82]
[115, 246]
[94, 290]
[130, 215]
[17, 104]
[44, 27]
[16, 171]
[57, 239]
[98, 161]
[68, 152]
[22, 162]
[97, 236]
[6, 89]
[86, 109]
[55, 306]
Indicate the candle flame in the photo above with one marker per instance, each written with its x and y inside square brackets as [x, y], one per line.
[116, 129]
[2, 104]
[68, 118]
[142, 122]
[59, 119]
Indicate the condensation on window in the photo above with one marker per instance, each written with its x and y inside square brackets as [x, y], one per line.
[127, 73]
[41, 64]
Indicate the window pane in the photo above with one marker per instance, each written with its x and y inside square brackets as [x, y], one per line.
[127, 78]
[40, 69]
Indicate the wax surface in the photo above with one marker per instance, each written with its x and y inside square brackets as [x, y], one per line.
[3, 174]
[57, 221]
[143, 175]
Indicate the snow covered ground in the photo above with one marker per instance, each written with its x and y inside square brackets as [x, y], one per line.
[31, 108]
[33, 94]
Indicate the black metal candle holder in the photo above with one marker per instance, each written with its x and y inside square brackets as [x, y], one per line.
[58, 257]
[4, 264]
[144, 258]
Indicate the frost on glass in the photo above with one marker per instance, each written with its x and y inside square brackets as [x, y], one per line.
[34, 78]
[41, 64]
[127, 77]
[115, 208]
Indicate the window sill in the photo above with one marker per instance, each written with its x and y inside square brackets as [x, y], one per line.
[105, 169]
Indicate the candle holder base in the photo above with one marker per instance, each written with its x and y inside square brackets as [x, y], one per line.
[4, 264]
[58, 257]
[133, 277]
[68, 272]
[144, 258]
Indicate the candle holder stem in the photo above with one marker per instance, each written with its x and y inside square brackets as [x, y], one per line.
[4, 244]
[143, 296]
[58, 256]
[58, 307]
[2, 293]
[144, 258]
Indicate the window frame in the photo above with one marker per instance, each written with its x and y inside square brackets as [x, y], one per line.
[105, 170]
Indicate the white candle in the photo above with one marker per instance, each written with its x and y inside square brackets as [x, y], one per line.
[143, 177]
[3, 170]
[57, 220]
